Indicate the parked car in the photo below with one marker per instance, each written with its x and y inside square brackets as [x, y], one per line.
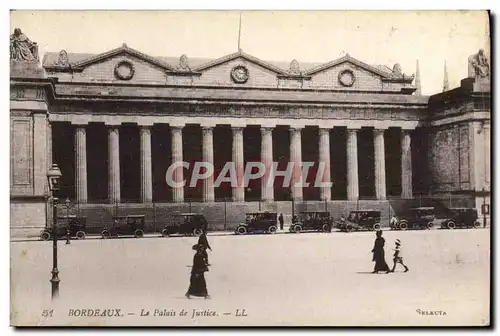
[258, 222]
[460, 218]
[186, 224]
[131, 225]
[312, 221]
[416, 218]
[76, 228]
[360, 220]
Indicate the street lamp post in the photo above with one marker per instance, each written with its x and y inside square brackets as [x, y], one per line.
[53, 177]
[68, 233]
[483, 210]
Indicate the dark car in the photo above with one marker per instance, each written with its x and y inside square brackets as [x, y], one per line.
[312, 221]
[186, 224]
[132, 225]
[75, 224]
[416, 218]
[258, 222]
[360, 220]
[460, 218]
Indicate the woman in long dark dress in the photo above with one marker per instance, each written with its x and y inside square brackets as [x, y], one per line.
[198, 285]
[379, 254]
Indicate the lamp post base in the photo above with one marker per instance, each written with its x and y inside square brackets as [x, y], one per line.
[55, 283]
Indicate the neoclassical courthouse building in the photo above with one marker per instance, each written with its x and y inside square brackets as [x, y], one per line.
[114, 122]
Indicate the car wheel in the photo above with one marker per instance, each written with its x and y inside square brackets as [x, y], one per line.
[349, 228]
[138, 233]
[451, 225]
[80, 235]
[164, 233]
[272, 229]
[326, 228]
[430, 225]
[45, 235]
[297, 229]
[241, 230]
[403, 226]
[376, 227]
[197, 232]
[477, 225]
[105, 234]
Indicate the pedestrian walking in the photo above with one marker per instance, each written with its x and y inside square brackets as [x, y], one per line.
[281, 220]
[379, 254]
[398, 256]
[393, 222]
[197, 282]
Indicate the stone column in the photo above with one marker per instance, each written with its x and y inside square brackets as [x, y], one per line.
[239, 190]
[114, 164]
[352, 165]
[177, 156]
[81, 163]
[380, 184]
[406, 172]
[296, 159]
[208, 156]
[324, 156]
[266, 155]
[146, 169]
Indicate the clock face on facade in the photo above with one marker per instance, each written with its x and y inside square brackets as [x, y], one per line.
[346, 78]
[239, 74]
[124, 70]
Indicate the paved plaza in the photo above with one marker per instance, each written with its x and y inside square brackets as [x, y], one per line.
[282, 279]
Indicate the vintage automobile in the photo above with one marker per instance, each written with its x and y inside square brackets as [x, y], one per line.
[360, 220]
[312, 221]
[76, 228]
[460, 218]
[416, 218]
[131, 225]
[186, 224]
[258, 222]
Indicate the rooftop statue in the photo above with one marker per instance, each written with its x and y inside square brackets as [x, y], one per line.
[22, 48]
[294, 68]
[183, 64]
[479, 65]
[63, 59]
[396, 71]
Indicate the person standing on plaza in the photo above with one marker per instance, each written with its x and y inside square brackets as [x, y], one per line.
[280, 219]
[393, 222]
[203, 241]
[379, 254]
[398, 257]
[197, 282]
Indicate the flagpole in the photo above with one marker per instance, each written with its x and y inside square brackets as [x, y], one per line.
[239, 34]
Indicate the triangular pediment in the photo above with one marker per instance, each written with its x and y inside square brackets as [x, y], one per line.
[239, 55]
[349, 59]
[123, 50]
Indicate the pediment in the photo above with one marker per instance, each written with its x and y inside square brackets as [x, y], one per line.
[243, 56]
[348, 59]
[124, 50]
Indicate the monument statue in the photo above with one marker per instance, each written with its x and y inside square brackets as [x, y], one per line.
[479, 65]
[22, 48]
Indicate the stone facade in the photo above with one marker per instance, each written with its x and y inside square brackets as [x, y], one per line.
[116, 120]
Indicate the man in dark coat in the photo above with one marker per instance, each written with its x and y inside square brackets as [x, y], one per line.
[280, 219]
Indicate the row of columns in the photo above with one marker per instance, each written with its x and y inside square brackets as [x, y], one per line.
[237, 156]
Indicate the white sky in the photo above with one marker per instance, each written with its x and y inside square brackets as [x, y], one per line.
[308, 36]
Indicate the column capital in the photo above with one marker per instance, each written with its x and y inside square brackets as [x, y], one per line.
[353, 130]
[379, 131]
[237, 129]
[295, 129]
[324, 130]
[206, 125]
[238, 125]
[113, 123]
[176, 128]
[176, 125]
[266, 130]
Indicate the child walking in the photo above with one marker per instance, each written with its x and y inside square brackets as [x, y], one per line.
[398, 257]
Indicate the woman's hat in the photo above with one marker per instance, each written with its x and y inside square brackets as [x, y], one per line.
[398, 242]
[195, 247]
